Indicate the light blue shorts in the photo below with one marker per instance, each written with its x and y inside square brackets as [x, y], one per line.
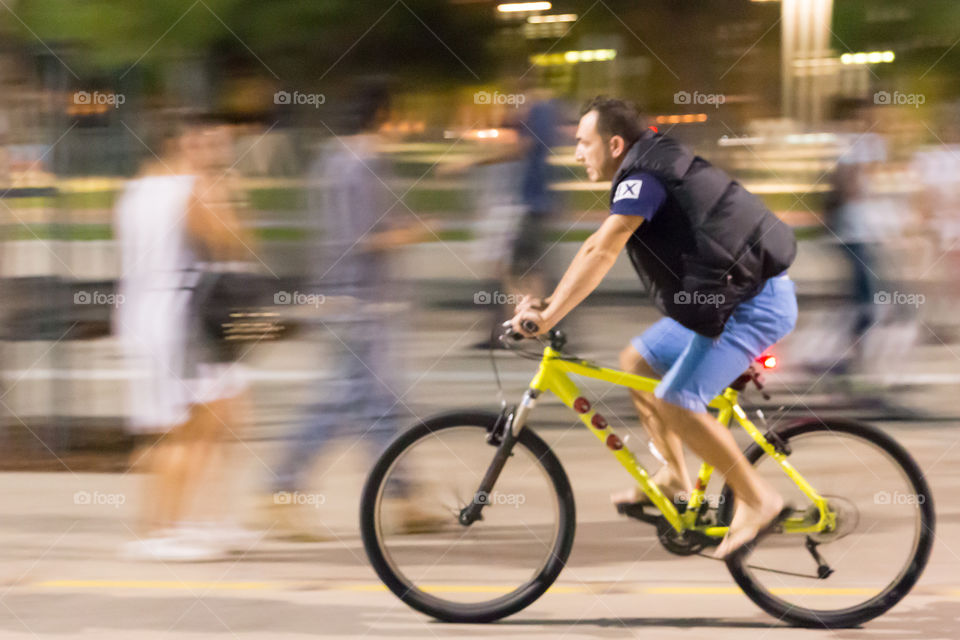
[695, 369]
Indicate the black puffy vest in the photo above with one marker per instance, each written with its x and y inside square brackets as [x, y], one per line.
[711, 246]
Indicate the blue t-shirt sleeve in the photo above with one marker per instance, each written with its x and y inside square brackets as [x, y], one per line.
[639, 194]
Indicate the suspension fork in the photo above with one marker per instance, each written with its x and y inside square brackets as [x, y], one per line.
[505, 434]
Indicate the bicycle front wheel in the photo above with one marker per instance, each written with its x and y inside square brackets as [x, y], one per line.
[878, 547]
[479, 572]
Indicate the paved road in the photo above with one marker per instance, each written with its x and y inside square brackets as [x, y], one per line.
[60, 534]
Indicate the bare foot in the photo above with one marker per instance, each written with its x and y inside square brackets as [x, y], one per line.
[670, 487]
[749, 522]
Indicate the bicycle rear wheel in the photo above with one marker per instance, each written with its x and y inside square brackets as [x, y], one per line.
[882, 539]
[480, 572]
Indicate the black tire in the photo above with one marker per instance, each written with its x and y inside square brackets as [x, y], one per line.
[889, 596]
[429, 604]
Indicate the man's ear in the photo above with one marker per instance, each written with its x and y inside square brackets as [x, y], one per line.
[617, 146]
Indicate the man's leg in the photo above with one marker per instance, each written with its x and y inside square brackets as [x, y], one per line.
[712, 442]
[304, 448]
[378, 394]
[652, 354]
[703, 370]
[673, 477]
[324, 415]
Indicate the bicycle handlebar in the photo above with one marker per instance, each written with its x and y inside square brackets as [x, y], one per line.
[555, 337]
[528, 325]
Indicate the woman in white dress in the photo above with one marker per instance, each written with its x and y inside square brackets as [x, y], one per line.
[173, 217]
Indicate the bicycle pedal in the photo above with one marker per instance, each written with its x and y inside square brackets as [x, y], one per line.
[635, 510]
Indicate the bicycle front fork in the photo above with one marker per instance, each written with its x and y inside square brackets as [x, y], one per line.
[504, 435]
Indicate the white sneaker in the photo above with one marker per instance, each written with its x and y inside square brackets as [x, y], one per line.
[170, 548]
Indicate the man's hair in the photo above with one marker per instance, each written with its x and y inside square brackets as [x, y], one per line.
[616, 117]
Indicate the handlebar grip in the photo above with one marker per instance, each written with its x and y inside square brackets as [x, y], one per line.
[528, 325]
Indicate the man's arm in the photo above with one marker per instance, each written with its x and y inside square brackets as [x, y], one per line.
[588, 268]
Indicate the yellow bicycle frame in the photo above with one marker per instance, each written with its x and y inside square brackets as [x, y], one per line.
[552, 376]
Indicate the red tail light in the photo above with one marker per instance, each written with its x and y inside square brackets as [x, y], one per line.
[768, 362]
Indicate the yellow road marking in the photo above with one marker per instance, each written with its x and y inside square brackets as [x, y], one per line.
[693, 590]
[157, 584]
[435, 588]
[781, 591]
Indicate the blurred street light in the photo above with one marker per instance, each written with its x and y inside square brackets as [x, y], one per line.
[573, 57]
[516, 7]
[872, 57]
[556, 17]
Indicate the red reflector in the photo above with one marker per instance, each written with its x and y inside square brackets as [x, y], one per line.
[769, 362]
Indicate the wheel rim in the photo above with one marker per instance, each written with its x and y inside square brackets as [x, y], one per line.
[870, 557]
[488, 562]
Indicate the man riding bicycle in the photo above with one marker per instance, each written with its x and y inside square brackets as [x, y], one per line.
[715, 259]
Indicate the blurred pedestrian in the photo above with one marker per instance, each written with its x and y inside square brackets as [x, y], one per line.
[496, 192]
[538, 135]
[174, 218]
[936, 169]
[357, 216]
[517, 203]
[856, 214]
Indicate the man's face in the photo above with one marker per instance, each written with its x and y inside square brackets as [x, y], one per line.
[601, 156]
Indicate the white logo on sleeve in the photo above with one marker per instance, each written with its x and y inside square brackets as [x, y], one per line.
[628, 189]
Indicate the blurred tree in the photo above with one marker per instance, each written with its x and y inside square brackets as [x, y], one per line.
[295, 42]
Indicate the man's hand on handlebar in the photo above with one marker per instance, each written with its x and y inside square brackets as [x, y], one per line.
[529, 324]
[529, 302]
